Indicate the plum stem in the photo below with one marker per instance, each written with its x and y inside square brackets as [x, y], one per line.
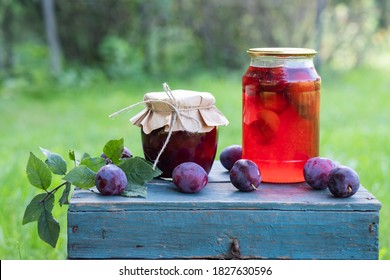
[53, 191]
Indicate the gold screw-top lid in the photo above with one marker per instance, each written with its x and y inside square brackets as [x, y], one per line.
[284, 52]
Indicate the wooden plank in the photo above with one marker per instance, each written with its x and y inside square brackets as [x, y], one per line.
[263, 234]
[224, 196]
[221, 194]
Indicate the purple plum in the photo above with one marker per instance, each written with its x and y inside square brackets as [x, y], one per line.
[343, 181]
[245, 175]
[189, 177]
[230, 155]
[316, 172]
[126, 153]
[110, 180]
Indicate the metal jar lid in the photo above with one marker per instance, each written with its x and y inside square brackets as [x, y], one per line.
[283, 52]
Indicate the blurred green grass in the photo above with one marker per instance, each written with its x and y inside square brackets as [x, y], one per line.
[354, 129]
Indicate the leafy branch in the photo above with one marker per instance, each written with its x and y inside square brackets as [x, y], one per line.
[39, 173]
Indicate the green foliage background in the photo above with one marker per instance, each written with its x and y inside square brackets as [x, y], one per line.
[109, 64]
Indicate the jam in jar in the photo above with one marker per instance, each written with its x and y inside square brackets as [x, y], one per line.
[183, 146]
[281, 95]
[179, 126]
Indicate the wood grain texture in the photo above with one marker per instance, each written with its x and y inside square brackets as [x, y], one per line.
[278, 221]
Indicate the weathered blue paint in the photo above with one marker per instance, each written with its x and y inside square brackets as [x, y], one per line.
[278, 221]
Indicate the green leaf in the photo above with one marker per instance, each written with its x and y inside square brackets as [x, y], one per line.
[81, 176]
[72, 156]
[38, 173]
[48, 228]
[34, 209]
[94, 163]
[55, 162]
[138, 170]
[135, 190]
[64, 199]
[85, 155]
[113, 150]
[39, 203]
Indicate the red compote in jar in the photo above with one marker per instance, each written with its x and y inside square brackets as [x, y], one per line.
[179, 126]
[281, 99]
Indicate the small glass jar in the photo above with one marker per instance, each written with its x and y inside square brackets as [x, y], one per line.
[183, 146]
[281, 101]
[179, 126]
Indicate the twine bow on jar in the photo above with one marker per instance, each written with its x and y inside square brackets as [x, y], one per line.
[177, 110]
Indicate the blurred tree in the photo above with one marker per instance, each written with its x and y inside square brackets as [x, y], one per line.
[384, 11]
[7, 24]
[144, 9]
[19, 20]
[49, 16]
[350, 26]
[83, 25]
[321, 6]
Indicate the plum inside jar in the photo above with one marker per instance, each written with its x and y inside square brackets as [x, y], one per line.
[183, 146]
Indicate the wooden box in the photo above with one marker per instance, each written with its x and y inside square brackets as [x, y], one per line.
[278, 221]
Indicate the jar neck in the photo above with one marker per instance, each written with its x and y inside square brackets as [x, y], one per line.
[277, 61]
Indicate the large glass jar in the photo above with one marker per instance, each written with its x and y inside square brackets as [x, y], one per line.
[179, 126]
[281, 100]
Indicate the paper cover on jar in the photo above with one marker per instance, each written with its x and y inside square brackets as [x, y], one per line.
[192, 111]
